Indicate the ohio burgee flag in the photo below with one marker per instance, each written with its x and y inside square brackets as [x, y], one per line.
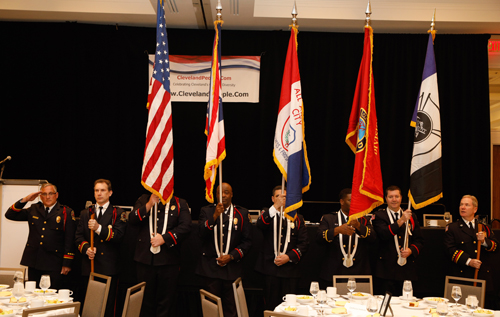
[158, 165]
[214, 126]
[290, 153]
[426, 184]
[362, 138]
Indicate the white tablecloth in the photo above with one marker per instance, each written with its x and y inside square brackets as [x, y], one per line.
[356, 310]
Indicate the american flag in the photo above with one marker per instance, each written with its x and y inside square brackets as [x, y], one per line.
[158, 166]
[214, 128]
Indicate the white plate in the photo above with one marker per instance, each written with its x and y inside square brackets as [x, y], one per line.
[282, 309]
[361, 296]
[420, 306]
[334, 304]
[17, 304]
[62, 301]
[329, 313]
[434, 300]
[9, 315]
[395, 301]
[407, 300]
[483, 315]
[307, 300]
[47, 292]
[334, 296]
[3, 286]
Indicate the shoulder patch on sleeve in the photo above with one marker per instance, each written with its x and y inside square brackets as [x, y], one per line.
[123, 217]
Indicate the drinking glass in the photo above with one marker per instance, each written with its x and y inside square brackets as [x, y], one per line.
[45, 283]
[456, 294]
[372, 305]
[18, 290]
[321, 301]
[473, 302]
[447, 217]
[442, 308]
[351, 285]
[314, 289]
[407, 289]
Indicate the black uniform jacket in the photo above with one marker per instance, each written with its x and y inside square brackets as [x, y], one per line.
[241, 241]
[50, 244]
[461, 244]
[296, 249]
[387, 266]
[107, 242]
[333, 264]
[178, 228]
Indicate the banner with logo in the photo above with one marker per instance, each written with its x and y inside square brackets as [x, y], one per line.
[190, 77]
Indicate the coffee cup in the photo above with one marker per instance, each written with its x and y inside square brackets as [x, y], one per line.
[290, 299]
[64, 294]
[331, 291]
[36, 302]
[30, 286]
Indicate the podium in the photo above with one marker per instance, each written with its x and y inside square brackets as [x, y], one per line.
[14, 234]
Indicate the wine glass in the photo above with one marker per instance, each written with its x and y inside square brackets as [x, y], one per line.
[45, 283]
[321, 300]
[456, 294]
[407, 289]
[314, 289]
[18, 290]
[351, 285]
[447, 217]
[372, 305]
[442, 308]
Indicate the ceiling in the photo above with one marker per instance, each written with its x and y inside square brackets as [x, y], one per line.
[388, 16]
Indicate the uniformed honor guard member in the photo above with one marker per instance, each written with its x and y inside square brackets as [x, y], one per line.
[461, 241]
[158, 256]
[221, 265]
[396, 263]
[347, 244]
[50, 247]
[282, 250]
[109, 227]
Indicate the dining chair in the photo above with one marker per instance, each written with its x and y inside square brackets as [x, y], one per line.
[210, 304]
[97, 296]
[133, 300]
[468, 288]
[7, 274]
[239, 298]
[50, 308]
[364, 283]
[270, 313]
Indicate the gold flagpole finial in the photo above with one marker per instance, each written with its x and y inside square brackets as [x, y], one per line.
[433, 24]
[219, 11]
[368, 13]
[294, 15]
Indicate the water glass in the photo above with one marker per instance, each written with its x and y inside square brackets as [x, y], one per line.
[18, 290]
[407, 289]
[351, 285]
[45, 283]
[472, 302]
[442, 308]
[314, 289]
[372, 305]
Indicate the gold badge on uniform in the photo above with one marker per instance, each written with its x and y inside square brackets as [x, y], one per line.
[172, 208]
[58, 219]
[235, 221]
[292, 225]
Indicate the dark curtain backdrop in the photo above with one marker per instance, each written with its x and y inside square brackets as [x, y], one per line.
[74, 110]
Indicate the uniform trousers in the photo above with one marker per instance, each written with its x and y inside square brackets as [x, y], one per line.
[56, 278]
[224, 290]
[277, 287]
[161, 289]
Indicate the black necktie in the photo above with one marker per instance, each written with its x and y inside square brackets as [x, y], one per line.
[470, 225]
[396, 214]
[47, 209]
[99, 215]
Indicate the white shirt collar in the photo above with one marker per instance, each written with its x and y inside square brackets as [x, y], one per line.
[50, 208]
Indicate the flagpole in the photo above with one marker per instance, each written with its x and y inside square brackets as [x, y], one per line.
[219, 18]
[281, 215]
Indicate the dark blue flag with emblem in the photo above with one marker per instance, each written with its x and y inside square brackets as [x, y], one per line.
[426, 185]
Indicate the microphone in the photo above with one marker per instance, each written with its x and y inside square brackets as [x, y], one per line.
[8, 158]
